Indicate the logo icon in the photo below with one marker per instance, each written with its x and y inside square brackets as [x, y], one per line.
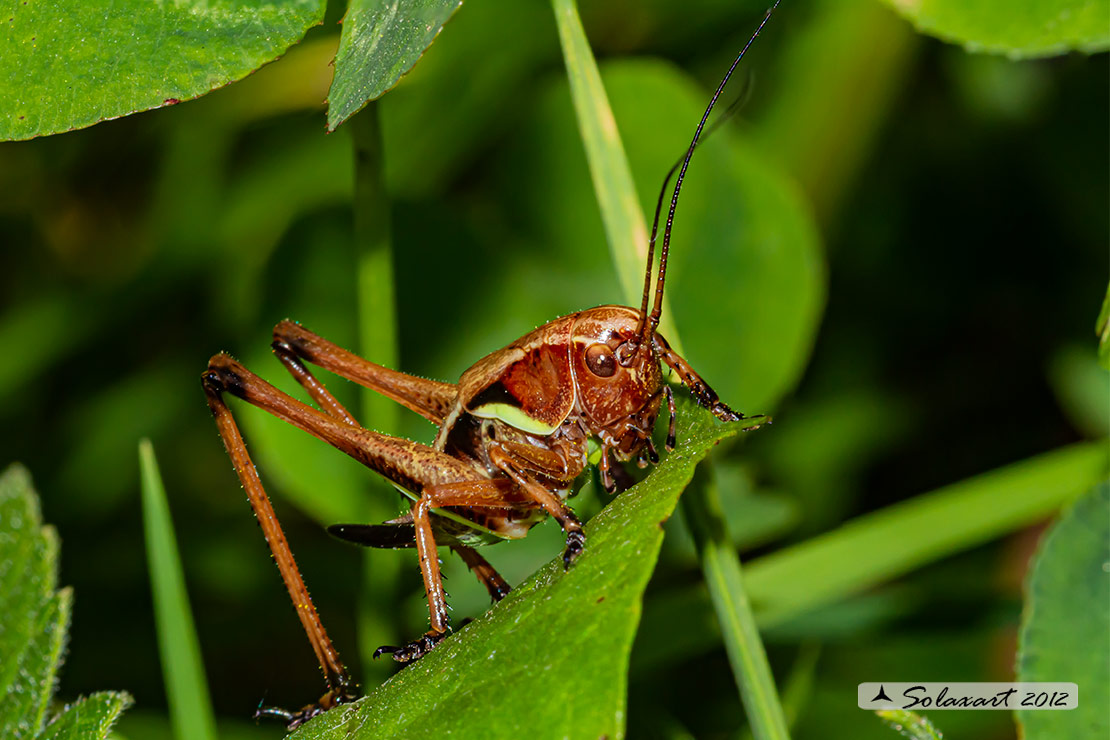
[881, 696]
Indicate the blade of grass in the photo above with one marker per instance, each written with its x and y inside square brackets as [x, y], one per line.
[377, 332]
[723, 578]
[625, 227]
[876, 547]
[616, 193]
[182, 668]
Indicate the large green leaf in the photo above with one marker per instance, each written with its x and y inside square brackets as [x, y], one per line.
[381, 41]
[33, 624]
[67, 65]
[554, 653]
[1018, 28]
[1066, 630]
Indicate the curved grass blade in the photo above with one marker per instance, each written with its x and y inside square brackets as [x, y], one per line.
[721, 567]
[182, 668]
[378, 342]
[885, 544]
[612, 177]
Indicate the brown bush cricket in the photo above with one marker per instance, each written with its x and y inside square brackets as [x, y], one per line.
[513, 437]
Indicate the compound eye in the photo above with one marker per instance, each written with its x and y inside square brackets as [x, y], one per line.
[600, 360]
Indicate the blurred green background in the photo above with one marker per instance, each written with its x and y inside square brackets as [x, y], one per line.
[961, 207]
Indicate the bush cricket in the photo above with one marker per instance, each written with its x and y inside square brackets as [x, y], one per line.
[514, 435]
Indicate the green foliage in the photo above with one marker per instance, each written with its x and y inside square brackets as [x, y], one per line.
[182, 668]
[752, 271]
[899, 538]
[33, 626]
[909, 724]
[143, 246]
[1030, 28]
[554, 653]
[380, 42]
[624, 224]
[613, 187]
[1065, 634]
[725, 585]
[802, 581]
[70, 65]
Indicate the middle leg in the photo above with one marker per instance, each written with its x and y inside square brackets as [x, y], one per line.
[485, 493]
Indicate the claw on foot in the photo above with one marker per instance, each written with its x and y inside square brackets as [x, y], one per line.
[414, 650]
[292, 720]
[576, 543]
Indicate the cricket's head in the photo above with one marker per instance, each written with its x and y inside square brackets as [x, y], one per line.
[619, 380]
[618, 390]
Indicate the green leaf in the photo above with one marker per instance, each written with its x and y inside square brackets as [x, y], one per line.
[558, 644]
[1024, 28]
[28, 565]
[909, 724]
[34, 618]
[381, 41]
[1065, 634]
[69, 65]
[182, 668]
[88, 718]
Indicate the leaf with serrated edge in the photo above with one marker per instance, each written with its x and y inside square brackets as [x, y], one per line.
[28, 554]
[89, 718]
[33, 625]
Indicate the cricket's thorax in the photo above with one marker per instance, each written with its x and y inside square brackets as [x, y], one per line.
[540, 400]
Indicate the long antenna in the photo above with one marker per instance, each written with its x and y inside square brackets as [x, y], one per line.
[649, 325]
[721, 120]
